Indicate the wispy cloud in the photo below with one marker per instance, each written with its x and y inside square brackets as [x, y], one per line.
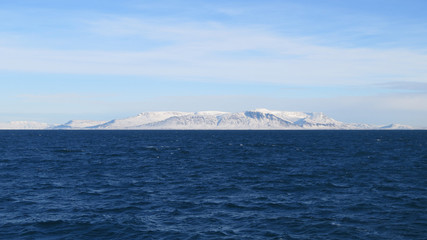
[63, 97]
[408, 86]
[215, 52]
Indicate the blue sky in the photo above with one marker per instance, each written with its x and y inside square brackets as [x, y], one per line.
[357, 61]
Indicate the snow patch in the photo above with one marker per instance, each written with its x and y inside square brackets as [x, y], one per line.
[397, 126]
[79, 124]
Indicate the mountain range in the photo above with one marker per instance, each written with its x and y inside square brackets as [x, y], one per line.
[254, 119]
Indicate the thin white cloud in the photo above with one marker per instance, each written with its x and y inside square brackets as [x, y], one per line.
[219, 53]
[416, 87]
[64, 97]
[230, 11]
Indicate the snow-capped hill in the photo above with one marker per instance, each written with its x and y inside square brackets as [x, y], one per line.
[302, 118]
[24, 125]
[397, 127]
[254, 119]
[318, 120]
[291, 116]
[215, 113]
[79, 124]
[140, 120]
[193, 121]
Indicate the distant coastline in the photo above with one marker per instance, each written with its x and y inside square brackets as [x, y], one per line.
[258, 119]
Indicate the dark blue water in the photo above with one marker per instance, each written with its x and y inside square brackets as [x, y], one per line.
[213, 185]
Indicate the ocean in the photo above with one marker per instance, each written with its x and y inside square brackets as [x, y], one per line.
[213, 184]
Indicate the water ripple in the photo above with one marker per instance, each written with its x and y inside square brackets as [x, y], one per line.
[213, 185]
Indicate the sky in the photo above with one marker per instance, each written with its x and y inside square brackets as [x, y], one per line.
[360, 61]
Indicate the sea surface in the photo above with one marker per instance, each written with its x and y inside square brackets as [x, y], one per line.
[213, 185]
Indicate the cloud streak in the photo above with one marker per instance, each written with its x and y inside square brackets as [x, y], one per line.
[215, 52]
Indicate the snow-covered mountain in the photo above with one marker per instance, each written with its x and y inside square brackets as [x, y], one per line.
[255, 119]
[78, 124]
[140, 120]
